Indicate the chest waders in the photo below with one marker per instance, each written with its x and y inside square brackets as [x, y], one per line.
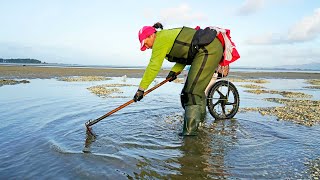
[203, 63]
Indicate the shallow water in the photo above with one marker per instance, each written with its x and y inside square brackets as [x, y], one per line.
[43, 135]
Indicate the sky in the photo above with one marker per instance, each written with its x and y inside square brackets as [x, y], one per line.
[267, 33]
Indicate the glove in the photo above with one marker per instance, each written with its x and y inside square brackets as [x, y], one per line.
[171, 75]
[138, 96]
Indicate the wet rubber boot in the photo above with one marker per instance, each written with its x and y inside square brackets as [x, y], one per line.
[191, 120]
[203, 111]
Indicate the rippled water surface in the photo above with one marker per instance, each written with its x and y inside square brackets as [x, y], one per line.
[43, 136]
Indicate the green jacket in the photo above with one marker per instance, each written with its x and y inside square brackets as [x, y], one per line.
[162, 46]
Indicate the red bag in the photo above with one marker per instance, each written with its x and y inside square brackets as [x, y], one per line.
[230, 53]
[226, 59]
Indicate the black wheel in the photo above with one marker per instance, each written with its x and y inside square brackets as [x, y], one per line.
[223, 100]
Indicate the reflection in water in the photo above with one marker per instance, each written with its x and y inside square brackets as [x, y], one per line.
[203, 155]
[90, 137]
[195, 159]
[200, 157]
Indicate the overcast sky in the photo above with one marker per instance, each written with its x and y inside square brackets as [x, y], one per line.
[99, 32]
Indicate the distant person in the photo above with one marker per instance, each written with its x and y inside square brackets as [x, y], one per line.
[198, 48]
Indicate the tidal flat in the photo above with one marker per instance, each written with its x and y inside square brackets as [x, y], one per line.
[275, 134]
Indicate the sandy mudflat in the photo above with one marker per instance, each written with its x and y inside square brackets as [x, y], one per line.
[276, 75]
[29, 72]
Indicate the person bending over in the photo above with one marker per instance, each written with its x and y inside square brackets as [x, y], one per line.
[184, 46]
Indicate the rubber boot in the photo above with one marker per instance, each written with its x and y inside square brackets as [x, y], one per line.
[191, 120]
[203, 111]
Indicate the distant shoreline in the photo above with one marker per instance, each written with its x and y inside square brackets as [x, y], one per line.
[31, 72]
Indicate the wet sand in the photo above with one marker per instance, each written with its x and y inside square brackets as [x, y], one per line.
[30, 72]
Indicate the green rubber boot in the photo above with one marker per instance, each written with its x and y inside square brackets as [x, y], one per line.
[203, 111]
[191, 120]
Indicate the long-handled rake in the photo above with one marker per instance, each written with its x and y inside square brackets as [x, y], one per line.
[94, 121]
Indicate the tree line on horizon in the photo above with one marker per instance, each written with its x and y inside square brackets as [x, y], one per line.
[20, 60]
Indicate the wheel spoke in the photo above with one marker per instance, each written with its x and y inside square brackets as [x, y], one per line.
[228, 91]
[231, 103]
[223, 109]
[214, 105]
[220, 93]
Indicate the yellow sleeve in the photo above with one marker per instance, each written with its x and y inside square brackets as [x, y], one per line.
[161, 47]
[178, 67]
[153, 68]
